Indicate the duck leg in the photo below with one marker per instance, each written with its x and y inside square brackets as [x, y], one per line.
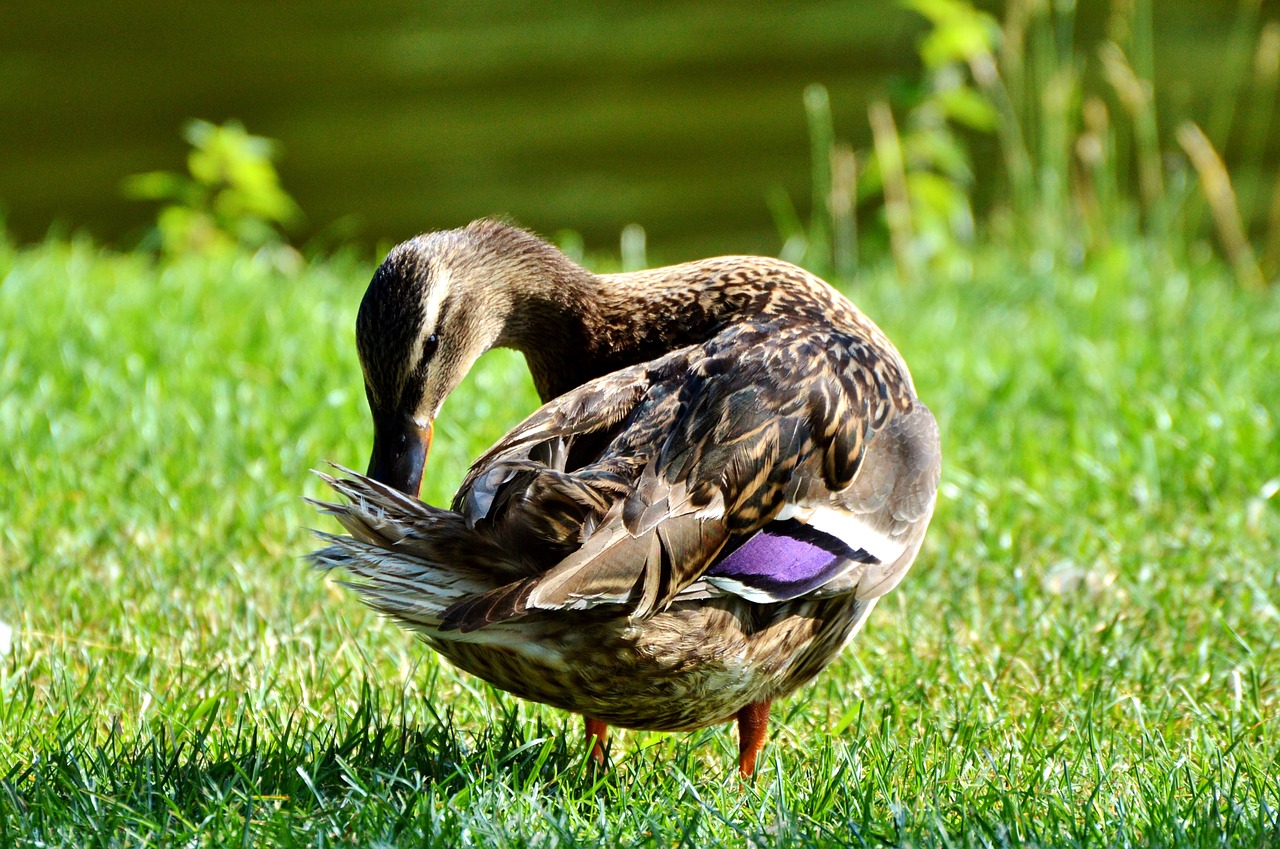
[753, 725]
[598, 735]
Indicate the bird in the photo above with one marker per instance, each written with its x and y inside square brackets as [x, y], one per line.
[730, 467]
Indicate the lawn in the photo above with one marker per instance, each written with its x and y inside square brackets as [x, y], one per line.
[1087, 652]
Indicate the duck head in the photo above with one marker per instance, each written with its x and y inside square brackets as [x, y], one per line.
[431, 310]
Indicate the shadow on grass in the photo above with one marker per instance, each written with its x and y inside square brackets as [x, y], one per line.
[167, 778]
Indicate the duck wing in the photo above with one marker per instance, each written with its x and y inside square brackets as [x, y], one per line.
[773, 461]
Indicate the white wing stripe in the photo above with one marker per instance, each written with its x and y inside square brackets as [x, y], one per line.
[849, 528]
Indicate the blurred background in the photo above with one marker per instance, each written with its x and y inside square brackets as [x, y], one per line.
[395, 117]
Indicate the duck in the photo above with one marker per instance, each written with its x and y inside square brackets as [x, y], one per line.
[729, 469]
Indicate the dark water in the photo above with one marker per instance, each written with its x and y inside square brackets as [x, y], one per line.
[397, 117]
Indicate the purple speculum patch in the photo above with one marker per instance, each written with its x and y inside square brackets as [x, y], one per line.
[787, 559]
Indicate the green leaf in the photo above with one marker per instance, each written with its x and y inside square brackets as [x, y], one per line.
[969, 107]
[937, 150]
[960, 32]
[233, 195]
[157, 185]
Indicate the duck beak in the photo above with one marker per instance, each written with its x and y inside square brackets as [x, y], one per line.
[400, 451]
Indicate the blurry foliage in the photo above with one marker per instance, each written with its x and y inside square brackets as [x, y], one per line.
[924, 174]
[232, 198]
[918, 176]
[1084, 156]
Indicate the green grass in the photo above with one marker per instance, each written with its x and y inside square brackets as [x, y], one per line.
[1086, 654]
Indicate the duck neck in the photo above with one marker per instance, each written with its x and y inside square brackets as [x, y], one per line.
[549, 315]
[573, 326]
[646, 314]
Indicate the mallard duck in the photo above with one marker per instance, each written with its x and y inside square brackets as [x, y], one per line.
[729, 469]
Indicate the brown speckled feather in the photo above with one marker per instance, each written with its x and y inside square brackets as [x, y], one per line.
[715, 438]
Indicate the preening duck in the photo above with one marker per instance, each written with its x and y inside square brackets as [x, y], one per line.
[729, 469]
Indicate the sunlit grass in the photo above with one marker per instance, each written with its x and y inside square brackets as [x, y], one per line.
[1085, 654]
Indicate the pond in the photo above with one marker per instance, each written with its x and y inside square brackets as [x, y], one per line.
[395, 117]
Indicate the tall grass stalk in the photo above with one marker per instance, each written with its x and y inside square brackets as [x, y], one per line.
[1005, 83]
[897, 204]
[1096, 193]
[1216, 183]
[1235, 70]
[1051, 113]
[1259, 121]
[817, 108]
[843, 204]
[632, 248]
[1136, 94]
[1146, 124]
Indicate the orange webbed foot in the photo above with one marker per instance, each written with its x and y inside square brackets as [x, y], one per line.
[753, 727]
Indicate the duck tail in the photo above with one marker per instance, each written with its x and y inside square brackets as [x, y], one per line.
[407, 559]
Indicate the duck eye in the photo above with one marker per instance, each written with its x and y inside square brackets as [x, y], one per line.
[429, 345]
